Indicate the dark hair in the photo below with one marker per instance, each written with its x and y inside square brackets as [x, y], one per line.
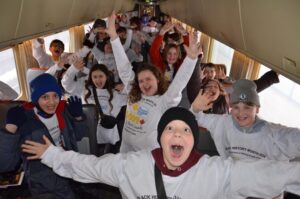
[208, 65]
[109, 84]
[101, 45]
[59, 42]
[136, 20]
[174, 36]
[135, 93]
[220, 105]
[121, 29]
[221, 67]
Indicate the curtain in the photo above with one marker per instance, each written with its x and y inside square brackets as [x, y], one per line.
[244, 67]
[76, 38]
[205, 41]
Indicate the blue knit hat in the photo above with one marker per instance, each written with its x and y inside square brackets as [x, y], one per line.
[42, 84]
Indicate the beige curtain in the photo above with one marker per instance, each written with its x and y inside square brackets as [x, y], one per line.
[76, 38]
[243, 67]
[24, 60]
[206, 42]
[24, 51]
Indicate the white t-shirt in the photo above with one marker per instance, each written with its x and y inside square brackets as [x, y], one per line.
[108, 135]
[52, 125]
[142, 117]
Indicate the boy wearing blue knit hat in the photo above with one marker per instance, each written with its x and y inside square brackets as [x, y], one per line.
[47, 115]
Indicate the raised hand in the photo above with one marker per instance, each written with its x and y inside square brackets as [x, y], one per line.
[111, 27]
[202, 102]
[194, 49]
[180, 28]
[77, 62]
[15, 118]
[35, 149]
[75, 106]
[167, 27]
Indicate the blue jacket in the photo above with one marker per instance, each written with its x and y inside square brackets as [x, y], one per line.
[40, 178]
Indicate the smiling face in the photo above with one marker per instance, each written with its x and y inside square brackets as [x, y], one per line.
[213, 89]
[172, 56]
[148, 83]
[210, 72]
[177, 142]
[49, 102]
[244, 114]
[99, 78]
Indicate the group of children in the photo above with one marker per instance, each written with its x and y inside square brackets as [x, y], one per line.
[158, 158]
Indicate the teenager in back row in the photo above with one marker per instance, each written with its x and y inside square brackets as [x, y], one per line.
[148, 93]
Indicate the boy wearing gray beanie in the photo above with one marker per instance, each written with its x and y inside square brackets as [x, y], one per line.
[242, 134]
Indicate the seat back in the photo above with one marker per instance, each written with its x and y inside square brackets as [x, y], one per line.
[4, 106]
[206, 144]
[91, 135]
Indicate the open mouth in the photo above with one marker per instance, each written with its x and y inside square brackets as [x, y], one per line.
[147, 89]
[177, 150]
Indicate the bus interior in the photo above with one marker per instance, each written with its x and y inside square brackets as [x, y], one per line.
[249, 37]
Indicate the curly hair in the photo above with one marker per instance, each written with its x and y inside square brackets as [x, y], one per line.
[135, 93]
[109, 84]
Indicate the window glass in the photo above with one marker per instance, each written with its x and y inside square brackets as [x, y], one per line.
[9, 84]
[280, 103]
[63, 36]
[222, 54]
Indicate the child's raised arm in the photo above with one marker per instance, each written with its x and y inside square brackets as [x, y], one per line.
[111, 28]
[202, 102]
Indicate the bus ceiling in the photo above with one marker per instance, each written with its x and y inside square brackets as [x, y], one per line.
[267, 31]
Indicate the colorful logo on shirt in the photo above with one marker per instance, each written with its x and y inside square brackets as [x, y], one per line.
[137, 116]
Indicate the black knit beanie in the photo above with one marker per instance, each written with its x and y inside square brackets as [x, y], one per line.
[178, 113]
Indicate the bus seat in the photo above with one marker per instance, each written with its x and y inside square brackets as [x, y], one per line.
[206, 144]
[31, 74]
[88, 145]
[4, 106]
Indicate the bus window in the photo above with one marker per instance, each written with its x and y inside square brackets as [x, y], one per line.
[9, 84]
[280, 103]
[222, 54]
[63, 36]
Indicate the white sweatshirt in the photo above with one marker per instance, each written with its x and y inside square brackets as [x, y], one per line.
[142, 117]
[210, 177]
[74, 86]
[108, 135]
[266, 140]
